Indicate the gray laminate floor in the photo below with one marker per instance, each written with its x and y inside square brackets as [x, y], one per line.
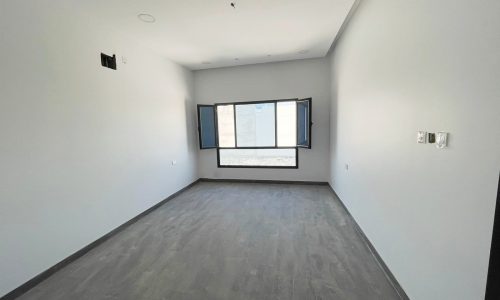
[230, 241]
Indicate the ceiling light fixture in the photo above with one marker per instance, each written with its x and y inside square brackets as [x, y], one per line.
[147, 18]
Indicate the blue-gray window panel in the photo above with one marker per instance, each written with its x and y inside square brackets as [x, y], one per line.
[206, 119]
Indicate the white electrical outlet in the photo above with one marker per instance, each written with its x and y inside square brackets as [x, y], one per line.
[422, 137]
[441, 139]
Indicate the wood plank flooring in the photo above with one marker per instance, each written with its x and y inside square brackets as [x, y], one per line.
[230, 241]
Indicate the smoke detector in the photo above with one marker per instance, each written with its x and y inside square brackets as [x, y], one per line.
[147, 18]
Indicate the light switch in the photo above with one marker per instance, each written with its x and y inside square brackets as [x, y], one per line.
[431, 137]
[441, 140]
[421, 137]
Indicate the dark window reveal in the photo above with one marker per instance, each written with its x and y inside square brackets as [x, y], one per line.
[493, 283]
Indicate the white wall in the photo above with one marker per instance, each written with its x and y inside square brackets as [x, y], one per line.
[293, 79]
[403, 66]
[83, 148]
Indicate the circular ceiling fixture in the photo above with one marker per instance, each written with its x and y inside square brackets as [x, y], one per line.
[147, 18]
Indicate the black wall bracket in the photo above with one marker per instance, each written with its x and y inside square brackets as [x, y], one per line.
[108, 61]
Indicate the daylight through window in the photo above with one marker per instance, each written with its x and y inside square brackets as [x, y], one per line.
[262, 134]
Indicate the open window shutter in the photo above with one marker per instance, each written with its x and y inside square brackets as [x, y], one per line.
[304, 123]
[206, 126]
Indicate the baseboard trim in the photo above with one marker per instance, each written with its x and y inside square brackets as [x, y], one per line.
[50, 271]
[264, 181]
[387, 272]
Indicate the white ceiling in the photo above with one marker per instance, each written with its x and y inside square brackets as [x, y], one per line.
[201, 34]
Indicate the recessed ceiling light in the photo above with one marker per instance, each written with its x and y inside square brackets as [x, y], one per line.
[303, 51]
[146, 18]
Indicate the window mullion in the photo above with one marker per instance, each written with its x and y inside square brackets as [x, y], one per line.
[275, 124]
[216, 127]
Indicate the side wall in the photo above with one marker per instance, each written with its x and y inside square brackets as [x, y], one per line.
[83, 148]
[403, 66]
[283, 80]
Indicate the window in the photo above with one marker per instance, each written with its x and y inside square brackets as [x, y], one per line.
[225, 125]
[261, 134]
[258, 157]
[255, 125]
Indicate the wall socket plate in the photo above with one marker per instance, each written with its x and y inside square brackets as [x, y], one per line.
[422, 137]
[441, 139]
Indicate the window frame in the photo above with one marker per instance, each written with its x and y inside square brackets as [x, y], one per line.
[275, 102]
[309, 139]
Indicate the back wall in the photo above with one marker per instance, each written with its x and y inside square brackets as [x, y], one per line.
[283, 80]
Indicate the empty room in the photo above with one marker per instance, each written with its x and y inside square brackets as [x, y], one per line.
[249, 150]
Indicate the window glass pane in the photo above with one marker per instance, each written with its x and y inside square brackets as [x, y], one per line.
[255, 125]
[287, 124]
[225, 125]
[258, 157]
[207, 126]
